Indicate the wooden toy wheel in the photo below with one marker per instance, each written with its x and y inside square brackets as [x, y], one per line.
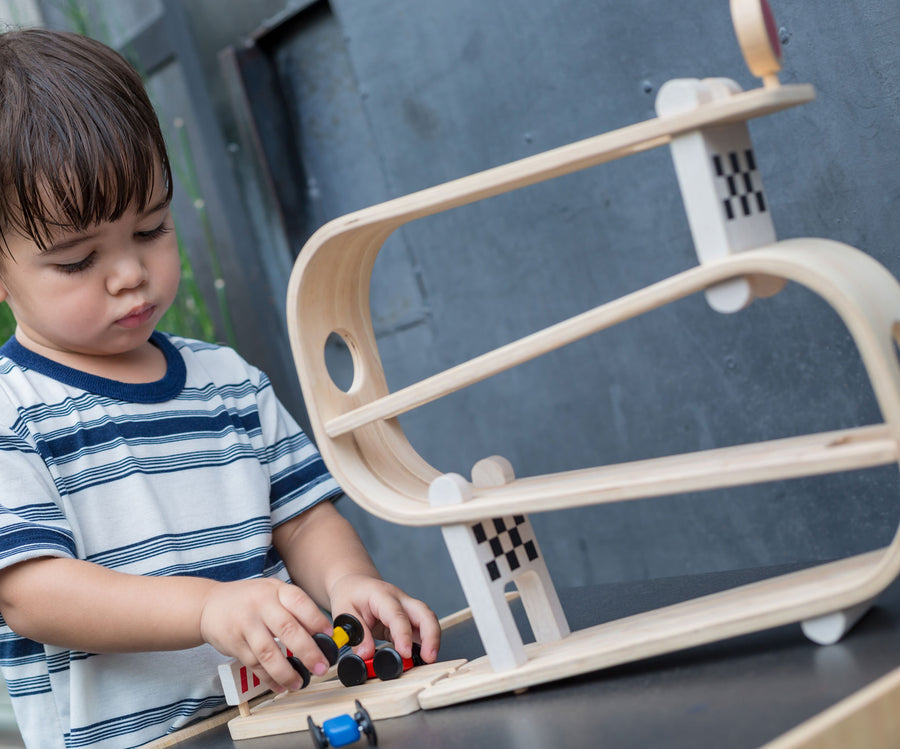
[757, 33]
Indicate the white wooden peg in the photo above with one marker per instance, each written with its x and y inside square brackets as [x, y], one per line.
[539, 597]
[727, 208]
[240, 683]
[490, 554]
[490, 609]
[449, 489]
[493, 471]
[829, 629]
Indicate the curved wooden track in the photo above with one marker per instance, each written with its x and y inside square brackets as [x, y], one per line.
[363, 445]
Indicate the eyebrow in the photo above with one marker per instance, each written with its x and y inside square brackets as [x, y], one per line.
[77, 239]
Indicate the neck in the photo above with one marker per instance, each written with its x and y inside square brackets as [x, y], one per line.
[140, 365]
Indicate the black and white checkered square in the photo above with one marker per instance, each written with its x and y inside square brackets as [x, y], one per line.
[740, 186]
[505, 545]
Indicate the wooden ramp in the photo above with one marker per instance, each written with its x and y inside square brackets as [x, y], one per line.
[741, 610]
[323, 701]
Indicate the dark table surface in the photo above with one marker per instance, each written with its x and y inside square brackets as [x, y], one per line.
[738, 693]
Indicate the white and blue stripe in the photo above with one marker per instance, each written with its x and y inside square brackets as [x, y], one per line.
[184, 476]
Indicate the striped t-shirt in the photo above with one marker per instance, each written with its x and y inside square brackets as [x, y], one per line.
[184, 476]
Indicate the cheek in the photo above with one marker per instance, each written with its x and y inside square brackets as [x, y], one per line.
[168, 267]
[73, 314]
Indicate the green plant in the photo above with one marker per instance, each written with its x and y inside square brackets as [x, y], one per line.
[181, 158]
[7, 323]
[188, 315]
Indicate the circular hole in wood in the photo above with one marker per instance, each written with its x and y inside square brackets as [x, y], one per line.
[339, 361]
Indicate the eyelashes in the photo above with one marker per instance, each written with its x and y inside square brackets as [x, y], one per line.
[149, 236]
[81, 265]
[87, 262]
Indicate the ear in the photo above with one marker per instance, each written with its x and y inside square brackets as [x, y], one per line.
[3, 292]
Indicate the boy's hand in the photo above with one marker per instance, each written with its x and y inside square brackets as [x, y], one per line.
[387, 613]
[242, 619]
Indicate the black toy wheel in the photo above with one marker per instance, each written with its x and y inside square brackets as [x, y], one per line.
[328, 647]
[387, 664]
[298, 666]
[350, 624]
[365, 724]
[352, 670]
[318, 735]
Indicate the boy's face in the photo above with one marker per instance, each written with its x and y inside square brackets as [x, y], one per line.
[96, 293]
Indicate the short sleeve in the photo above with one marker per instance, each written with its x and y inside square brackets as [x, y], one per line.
[31, 522]
[298, 476]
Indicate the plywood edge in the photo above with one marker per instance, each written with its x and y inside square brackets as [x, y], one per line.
[741, 610]
[381, 699]
[562, 160]
[868, 718]
[822, 453]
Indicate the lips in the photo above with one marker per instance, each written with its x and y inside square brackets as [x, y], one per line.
[138, 316]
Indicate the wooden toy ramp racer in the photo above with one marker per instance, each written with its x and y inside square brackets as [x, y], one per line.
[485, 521]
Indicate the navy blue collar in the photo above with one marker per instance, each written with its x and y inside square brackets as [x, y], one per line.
[150, 392]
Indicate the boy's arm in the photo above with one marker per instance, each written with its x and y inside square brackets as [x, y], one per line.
[83, 606]
[326, 558]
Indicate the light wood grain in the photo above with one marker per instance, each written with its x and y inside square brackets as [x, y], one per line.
[748, 608]
[208, 724]
[361, 440]
[761, 53]
[381, 699]
[380, 470]
[868, 718]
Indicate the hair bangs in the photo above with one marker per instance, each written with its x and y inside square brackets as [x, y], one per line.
[85, 148]
[90, 170]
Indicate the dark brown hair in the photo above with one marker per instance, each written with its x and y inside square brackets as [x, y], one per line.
[80, 142]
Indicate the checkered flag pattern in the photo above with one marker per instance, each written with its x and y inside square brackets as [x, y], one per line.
[740, 187]
[505, 546]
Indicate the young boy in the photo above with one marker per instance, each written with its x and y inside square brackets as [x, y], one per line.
[160, 512]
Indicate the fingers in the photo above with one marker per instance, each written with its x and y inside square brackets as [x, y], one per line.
[243, 620]
[390, 614]
[429, 629]
[394, 619]
[304, 619]
[266, 660]
[281, 617]
[414, 622]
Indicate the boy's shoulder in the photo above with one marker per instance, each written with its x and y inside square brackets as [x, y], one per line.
[17, 389]
[217, 357]
[193, 344]
[200, 348]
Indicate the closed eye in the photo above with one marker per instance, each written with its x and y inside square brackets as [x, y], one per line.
[78, 266]
[152, 234]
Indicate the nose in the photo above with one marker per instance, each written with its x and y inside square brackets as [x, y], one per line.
[127, 272]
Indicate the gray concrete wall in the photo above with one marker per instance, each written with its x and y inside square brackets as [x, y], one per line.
[386, 97]
[439, 90]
